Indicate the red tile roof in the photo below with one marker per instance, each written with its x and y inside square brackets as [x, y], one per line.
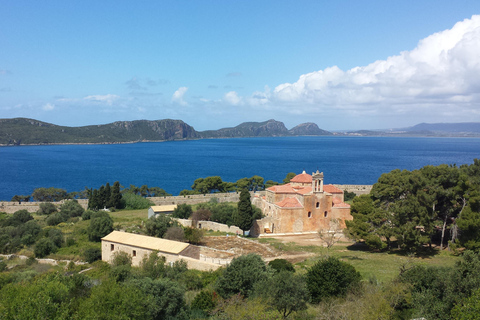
[302, 178]
[289, 203]
[330, 188]
[288, 188]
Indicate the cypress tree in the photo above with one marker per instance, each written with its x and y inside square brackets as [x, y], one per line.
[108, 196]
[116, 196]
[244, 217]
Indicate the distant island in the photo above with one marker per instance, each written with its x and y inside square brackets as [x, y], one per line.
[23, 131]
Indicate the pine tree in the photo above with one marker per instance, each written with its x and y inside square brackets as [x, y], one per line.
[244, 217]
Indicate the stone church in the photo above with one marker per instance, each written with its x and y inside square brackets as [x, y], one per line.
[303, 205]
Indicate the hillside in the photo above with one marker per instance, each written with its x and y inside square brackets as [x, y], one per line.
[308, 129]
[21, 131]
[270, 128]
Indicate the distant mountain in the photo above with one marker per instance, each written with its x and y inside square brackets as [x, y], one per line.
[20, 131]
[308, 129]
[270, 128]
[447, 127]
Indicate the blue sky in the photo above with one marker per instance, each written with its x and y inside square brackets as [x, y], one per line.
[213, 64]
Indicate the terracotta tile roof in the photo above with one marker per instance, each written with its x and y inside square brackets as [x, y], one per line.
[302, 178]
[336, 201]
[330, 188]
[289, 203]
[288, 188]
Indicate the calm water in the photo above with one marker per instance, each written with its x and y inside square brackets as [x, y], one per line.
[174, 165]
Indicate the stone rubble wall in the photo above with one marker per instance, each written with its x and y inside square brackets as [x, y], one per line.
[358, 189]
[32, 207]
[210, 225]
[198, 198]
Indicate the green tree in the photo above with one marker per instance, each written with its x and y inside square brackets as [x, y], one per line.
[244, 217]
[281, 265]
[182, 211]
[100, 225]
[241, 275]
[44, 247]
[49, 194]
[71, 208]
[47, 208]
[331, 277]
[92, 254]
[286, 292]
[289, 176]
[116, 196]
[468, 309]
[153, 266]
[165, 298]
[158, 225]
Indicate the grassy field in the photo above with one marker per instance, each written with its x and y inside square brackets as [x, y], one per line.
[376, 266]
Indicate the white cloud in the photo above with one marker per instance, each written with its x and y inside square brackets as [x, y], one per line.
[232, 98]
[108, 98]
[178, 96]
[48, 107]
[441, 72]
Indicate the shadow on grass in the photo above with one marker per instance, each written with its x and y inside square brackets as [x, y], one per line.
[352, 258]
[423, 252]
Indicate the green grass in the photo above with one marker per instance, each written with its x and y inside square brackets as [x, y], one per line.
[381, 266]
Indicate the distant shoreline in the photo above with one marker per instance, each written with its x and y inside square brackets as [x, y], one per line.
[335, 135]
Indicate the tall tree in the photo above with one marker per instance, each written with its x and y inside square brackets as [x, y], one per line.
[244, 216]
[116, 196]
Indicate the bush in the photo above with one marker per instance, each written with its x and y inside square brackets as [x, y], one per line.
[205, 301]
[87, 214]
[92, 254]
[44, 247]
[47, 208]
[101, 224]
[331, 277]
[241, 275]
[56, 236]
[55, 219]
[158, 225]
[121, 258]
[71, 208]
[281, 264]
[175, 233]
[135, 202]
[182, 211]
[193, 235]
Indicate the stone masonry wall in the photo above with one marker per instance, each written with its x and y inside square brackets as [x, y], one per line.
[11, 207]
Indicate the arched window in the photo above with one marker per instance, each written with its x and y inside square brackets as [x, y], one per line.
[325, 214]
[318, 204]
[309, 214]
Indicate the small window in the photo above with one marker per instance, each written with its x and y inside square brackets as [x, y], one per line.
[325, 214]
[309, 214]
[199, 226]
[318, 204]
[111, 247]
[134, 253]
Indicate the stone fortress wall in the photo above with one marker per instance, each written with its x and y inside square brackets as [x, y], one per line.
[11, 207]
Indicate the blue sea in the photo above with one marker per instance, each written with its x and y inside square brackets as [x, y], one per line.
[174, 165]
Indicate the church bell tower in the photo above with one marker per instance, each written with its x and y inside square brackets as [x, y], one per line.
[317, 182]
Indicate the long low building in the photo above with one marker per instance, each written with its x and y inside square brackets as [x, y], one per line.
[139, 246]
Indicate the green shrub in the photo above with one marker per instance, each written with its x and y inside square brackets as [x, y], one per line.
[205, 301]
[44, 247]
[182, 211]
[92, 254]
[330, 278]
[101, 224]
[87, 214]
[281, 264]
[47, 208]
[71, 208]
[56, 218]
[136, 202]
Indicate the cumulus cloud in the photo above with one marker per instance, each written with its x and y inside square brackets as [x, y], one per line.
[442, 71]
[178, 96]
[232, 98]
[48, 107]
[108, 99]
